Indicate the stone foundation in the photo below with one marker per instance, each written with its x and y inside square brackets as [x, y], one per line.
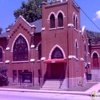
[95, 75]
[73, 82]
[64, 84]
[34, 82]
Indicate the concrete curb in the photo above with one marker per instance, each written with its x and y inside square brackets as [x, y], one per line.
[46, 91]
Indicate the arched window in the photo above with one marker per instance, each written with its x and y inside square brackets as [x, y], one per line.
[76, 23]
[85, 53]
[95, 61]
[0, 55]
[20, 49]
[52, 21]
[74, 20]
[39, 51]
[60, 20]
[57, 53]
[76, 49]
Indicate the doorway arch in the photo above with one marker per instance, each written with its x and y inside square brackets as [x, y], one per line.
[56, 69]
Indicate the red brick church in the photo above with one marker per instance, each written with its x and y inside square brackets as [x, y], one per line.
[55, 48]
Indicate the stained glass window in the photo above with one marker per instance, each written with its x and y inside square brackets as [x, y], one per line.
[20, 50]
[57, 53]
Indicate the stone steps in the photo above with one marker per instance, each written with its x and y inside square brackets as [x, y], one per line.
[51, 85]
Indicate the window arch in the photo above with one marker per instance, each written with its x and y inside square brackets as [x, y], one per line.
[60, 20]
[52, 50]
[57, 53]
[95, 60]
[20, 49]
[0, 54]
[76, 49]
[52, 21]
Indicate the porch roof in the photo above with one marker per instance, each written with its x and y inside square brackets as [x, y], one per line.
[62, 60]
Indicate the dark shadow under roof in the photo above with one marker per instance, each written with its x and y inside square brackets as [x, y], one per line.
[38, 25]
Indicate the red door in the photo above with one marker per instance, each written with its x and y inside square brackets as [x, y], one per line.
[57, 70]
[95, 63]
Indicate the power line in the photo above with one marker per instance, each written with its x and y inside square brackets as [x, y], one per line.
[87, 15]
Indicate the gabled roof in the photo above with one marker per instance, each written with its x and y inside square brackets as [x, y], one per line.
[24, 21]
[38, 25]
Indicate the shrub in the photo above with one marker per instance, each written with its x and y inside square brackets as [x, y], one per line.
[3, 76]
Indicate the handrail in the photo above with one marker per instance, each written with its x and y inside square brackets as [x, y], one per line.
[61, 78]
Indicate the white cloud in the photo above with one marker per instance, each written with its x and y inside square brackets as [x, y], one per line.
[94, 19]
[98, 14]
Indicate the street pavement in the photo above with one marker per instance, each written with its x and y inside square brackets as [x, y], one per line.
[10, 95]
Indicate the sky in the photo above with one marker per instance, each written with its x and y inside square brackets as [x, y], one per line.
[90, 7]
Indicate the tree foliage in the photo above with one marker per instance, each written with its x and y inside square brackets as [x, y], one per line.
[31, 11]
[9, 26]
[3, 76]
[1, 30]
[94, 37]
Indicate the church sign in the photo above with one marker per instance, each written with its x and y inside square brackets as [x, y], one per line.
[27, 77]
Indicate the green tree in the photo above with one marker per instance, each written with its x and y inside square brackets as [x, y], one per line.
[1, 30]
[3, 76]
[9, 26]
[94, 37]
[31, 11]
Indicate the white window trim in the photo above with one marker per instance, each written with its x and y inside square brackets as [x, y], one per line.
[32, 60]
[20, 61]
[93, 53]
[62, 27]
[38, 46]
[53, 50]
[60, 11]
[16, 39]
[70, 25]
[32, 46]
[43, 58]
[8, 48]
[72, 57]
[7, 61]
[81, 59]
[51, 14]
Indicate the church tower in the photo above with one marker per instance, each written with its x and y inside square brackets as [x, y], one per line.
[62, 46]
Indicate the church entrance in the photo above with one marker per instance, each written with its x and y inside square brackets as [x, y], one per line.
[56, 65]
[57, 70]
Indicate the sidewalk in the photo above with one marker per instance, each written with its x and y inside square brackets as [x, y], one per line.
[88, 92]
[46, 91]
[86, 87]
[95, 88]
